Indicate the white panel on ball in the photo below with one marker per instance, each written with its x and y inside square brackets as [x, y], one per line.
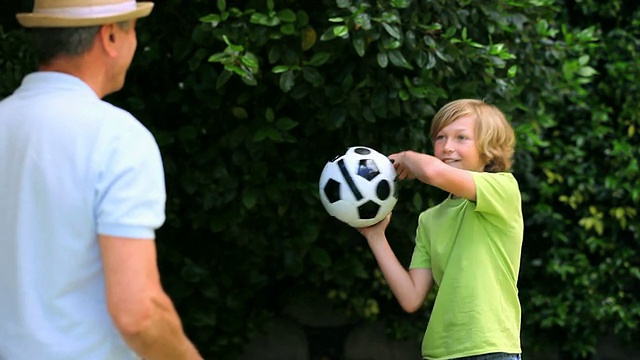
[359, 187]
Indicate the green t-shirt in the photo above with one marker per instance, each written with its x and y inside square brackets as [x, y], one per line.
[473, 250]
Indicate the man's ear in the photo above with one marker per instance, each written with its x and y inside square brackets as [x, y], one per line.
[107, 37]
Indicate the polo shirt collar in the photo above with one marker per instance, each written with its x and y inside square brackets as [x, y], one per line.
[52, 80]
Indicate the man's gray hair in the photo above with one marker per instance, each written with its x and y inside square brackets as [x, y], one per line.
[50, 43]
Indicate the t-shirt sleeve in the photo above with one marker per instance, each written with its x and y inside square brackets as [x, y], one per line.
[421, 258]
[130, 191]
[498, 196]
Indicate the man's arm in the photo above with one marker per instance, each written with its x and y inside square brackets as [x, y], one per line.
[139, 307]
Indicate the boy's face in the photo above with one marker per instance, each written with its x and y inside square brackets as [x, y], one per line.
[456, 145]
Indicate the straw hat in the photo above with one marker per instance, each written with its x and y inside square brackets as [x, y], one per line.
[80, 13]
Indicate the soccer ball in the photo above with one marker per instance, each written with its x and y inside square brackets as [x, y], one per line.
[359, 187]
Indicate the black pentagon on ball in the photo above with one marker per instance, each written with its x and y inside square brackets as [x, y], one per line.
[383, 190]
[368, 210]
[332, 190]
[362, 151]
[367, 169]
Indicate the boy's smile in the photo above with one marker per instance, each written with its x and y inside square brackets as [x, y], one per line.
[455, 145]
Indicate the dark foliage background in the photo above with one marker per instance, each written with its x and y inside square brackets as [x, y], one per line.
[249, 99]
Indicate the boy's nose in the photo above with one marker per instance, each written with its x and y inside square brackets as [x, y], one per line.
[448, 146]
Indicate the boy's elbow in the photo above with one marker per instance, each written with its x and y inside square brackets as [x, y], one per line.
[411, 307]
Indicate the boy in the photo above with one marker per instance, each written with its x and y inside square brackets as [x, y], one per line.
[470, 244]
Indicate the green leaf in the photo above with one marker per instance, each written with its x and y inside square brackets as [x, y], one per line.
[274, 54]
[222, 5]
[400, 4]
[288, 29]
[398, 59]
[308, 38]
[319, 58]
[303, 19]
[249, 79]
[358, 45]
[392, 30]
[269, 115]
[233, 47]
[235, 69]
[280, 69]
[274, 134]
[213, 19]
[286, 124]
[239, 113]
[432, 61]
[223, 78]
[287, 80]
[341, 31]
[383, 60]
[250, 60]
[259, 135]
[363, 21]
[320, 257]
[421, 59]
[286, 15]
[313, 76]
[328, 35]
[393, 45]
[262, 19]
[587, 71]
[249, 198]
[218, 57]
[417, 201]
[449, 33]
[542, 27]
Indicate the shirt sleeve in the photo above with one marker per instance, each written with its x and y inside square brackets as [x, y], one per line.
[498, 197]
[130, 191]
[421, 258]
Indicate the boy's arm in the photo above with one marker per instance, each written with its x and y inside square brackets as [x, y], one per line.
[139, 307]
[430, 170]
[409, 288]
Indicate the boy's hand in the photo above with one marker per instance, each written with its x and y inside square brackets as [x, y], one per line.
[399, 161]
[375, 230]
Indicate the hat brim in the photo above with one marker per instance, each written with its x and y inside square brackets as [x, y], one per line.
[41, 20]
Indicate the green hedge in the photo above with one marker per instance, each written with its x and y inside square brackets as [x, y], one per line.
[584, 259]
[248, 100]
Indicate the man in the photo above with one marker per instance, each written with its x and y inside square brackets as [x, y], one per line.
[81, 195]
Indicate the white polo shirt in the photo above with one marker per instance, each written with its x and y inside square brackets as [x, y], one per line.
[71, 166]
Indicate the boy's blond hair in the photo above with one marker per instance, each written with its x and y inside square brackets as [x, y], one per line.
[495, 137]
